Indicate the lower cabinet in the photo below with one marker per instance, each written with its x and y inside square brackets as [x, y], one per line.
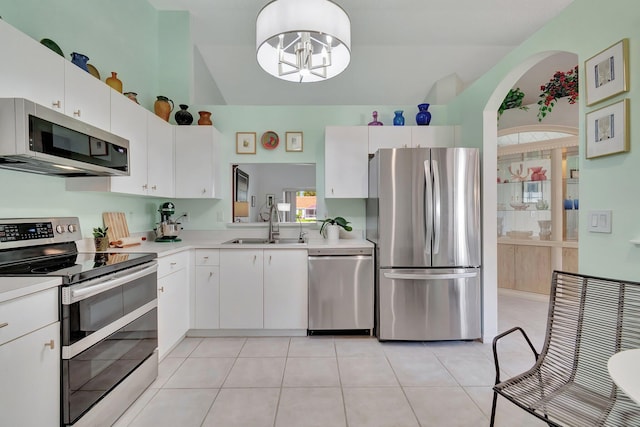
[524, 268]
[206, 298]
[30, 360]
[173, 301]
[263, 289]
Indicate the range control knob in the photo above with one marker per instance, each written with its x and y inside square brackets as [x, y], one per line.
[60, 229]
[72, 228]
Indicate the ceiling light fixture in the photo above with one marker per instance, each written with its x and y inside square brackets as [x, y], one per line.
[303, 40]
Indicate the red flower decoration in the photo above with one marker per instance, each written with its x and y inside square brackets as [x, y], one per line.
[563, 84]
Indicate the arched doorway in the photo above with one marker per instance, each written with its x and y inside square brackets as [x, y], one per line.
[489, 177]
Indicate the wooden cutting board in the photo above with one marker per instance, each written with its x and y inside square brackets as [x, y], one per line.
[117, 223]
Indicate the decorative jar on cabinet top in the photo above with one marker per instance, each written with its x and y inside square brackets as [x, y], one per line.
[80, 60]
[114, 82]
[182, 116]
[398, 119]
[163, 107]
[205, 118]
[423, 118]
[375, 121]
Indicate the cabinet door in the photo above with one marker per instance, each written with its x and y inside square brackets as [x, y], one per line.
[346, 162]
[433, 136]
[159, 157]
[506, 266]
[388, 137]
[207, 298]
[241, 289]
[285, 289]
[195, 162]
[173, 310]
[129, 121]
[30, 385]
[86, 98]
[533, 269]
[30, 70]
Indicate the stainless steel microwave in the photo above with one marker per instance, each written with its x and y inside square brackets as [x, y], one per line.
[38, 139]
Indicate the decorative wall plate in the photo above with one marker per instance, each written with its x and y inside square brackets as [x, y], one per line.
[270, 140]
[52, 45]
[93, 71]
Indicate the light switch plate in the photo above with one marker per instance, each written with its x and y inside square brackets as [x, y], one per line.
[599, 222]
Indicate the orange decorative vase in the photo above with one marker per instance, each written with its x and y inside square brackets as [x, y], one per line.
[163, 107]
[205, 118]
[114, 82]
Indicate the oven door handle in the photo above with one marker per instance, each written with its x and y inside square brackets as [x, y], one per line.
[93, 287]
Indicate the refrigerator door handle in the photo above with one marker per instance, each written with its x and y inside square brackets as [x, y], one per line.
[436, 207]
[428, 209]
[429, 276]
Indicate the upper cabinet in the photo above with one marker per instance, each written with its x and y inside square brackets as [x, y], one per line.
[38, 75]
[411, 137]
[160, 157]
[86, 98]
[346, 164]
[198, 163]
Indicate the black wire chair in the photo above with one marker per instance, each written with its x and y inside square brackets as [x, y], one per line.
[590, 319]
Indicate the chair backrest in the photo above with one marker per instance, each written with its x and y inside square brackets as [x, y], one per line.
[590, 319]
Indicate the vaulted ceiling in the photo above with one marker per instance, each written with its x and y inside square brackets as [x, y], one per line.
[399, 49]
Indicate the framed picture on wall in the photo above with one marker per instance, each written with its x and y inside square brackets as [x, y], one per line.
[293, 141]
[245, 143]
[607, 73]
[608, 130]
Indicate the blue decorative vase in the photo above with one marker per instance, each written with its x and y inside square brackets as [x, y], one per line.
[423, 118]
[398, 120]
[80, 60]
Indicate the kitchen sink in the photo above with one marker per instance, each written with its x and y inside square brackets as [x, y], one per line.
[262, 241]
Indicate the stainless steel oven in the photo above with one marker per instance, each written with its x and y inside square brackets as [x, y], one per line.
[108, 315]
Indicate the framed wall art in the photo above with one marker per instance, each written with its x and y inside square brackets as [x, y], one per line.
[607, 73]
[245, 143]
[293, 141]
[608, 130]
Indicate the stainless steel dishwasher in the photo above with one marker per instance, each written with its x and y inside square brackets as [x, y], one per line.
[341, 290]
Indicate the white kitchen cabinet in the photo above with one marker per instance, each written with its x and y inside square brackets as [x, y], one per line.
[206, 298]
[241, 289]
[85, 97]
[198, 165]
[433, 136]
[285, 289]
[30, 70]
[160, 169]
[346, 162]
[30, 360]
[388, 137]
[173, 301]
[150, 138]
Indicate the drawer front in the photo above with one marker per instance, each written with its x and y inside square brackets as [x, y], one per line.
[26, 314]
[207, 257]
[171, 263]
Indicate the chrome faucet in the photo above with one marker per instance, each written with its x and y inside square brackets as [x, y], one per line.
[274, 229]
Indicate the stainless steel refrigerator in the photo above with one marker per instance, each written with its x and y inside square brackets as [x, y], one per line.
[423, 214]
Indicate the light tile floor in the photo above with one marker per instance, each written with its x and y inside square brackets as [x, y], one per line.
[339, 381]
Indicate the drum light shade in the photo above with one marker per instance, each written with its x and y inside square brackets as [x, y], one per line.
[303, 40]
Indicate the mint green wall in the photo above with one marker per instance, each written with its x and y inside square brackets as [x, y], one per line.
[151, 53]
[585, 27]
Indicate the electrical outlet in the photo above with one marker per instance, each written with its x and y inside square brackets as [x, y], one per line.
[186, 217]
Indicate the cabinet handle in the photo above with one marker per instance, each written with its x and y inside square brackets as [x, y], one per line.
[56, 104]
[332, 191]
[2, 325]
[172, 263]
[153, 187]
[269, 259]
[210, 273]
[145, 186]
[205, 257]
[51, 344]
[404, 146]
[77, 113]
[204, 190]
[255, 257]
[161, 289]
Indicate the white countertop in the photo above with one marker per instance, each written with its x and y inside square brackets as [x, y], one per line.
[624, 368]
[14, 287]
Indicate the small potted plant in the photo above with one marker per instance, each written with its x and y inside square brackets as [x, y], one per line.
[100, 238]
[331, 227]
